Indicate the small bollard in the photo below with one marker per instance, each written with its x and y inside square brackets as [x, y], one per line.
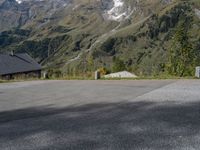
[197, 73]
[97, 75]
[45, 75]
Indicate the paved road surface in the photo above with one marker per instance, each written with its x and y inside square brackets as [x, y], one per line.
[100, 115]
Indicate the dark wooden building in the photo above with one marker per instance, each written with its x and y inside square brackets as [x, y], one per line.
[18, 66]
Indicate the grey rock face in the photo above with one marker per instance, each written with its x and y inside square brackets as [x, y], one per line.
[107, 4]
[197, 12]
[17, 13]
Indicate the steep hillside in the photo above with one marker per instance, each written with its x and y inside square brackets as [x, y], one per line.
[83, 35]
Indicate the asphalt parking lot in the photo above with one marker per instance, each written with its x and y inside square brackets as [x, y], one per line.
[100, 115]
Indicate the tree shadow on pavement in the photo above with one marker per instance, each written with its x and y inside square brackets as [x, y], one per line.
[113, 126]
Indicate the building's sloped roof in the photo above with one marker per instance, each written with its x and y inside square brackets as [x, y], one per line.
[17, 63]
[123, 74]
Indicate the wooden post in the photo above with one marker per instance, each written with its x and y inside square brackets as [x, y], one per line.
[97, 75]
[197, 73]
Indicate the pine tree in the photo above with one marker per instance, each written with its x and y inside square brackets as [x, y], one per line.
[181, 55]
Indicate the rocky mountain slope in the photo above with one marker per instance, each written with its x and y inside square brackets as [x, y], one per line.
[83, 35]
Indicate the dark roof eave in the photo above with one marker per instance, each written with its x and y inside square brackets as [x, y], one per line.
[20, 72]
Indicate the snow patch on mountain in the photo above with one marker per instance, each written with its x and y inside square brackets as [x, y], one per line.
[118, 12]
[21, 1]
